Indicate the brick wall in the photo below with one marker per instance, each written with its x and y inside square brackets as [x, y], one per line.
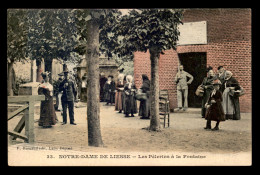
[229, 44]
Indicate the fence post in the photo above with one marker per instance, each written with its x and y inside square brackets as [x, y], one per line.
[29, 121]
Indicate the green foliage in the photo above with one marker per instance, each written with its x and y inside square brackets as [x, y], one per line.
[57, 33]
[147, 28]
[52, 34]
[106, 18]
[128, 67]
[121, 60]
[16, 35]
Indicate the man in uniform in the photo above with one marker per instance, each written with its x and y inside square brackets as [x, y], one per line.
[68, 90]
[182, 87]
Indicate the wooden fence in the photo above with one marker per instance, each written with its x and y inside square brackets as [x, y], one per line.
[27, 120]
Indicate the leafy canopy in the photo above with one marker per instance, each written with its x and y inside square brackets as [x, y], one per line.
[106, 18]
[146, 28]
[52, 34]
[16, 35]
[57, 33]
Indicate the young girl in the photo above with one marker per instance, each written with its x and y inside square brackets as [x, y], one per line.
[214, 107]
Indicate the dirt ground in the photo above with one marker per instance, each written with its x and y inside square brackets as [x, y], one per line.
[185, 133]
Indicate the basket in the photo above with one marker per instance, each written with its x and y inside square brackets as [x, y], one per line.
[200, 91]
[140, 95]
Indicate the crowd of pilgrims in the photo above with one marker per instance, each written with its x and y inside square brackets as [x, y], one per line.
[122, 93]
[220, 99]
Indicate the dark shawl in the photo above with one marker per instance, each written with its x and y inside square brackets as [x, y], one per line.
[215, 111]
[130, 101]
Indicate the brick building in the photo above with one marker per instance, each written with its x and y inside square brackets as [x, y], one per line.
[228, 43]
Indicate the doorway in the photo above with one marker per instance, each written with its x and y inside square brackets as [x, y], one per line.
[195, 63]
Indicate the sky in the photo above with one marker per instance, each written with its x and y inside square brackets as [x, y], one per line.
[124, 11]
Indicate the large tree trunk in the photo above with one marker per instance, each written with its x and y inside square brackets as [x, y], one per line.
[154, 90]
[93, 109]
[9, 79]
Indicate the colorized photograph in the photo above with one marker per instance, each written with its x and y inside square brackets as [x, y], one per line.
[129, 87]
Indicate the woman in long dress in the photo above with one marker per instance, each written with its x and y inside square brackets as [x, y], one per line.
[214, 107]
[47, 111]
[207, 85]
[230, 97]
[144, 109]
[119, 93]
[109, 89]
[130, 101]
[102, 81]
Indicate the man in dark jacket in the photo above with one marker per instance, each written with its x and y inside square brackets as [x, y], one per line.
[68, 90]
[102, 82]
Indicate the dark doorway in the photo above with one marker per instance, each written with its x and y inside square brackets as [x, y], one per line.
[194, 63]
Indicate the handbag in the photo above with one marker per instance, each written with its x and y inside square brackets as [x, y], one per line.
[238, 93]
[242, 91]
[140, 95]
[200, 91]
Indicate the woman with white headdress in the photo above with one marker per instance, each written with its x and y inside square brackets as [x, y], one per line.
[130, 102]
[231, 97]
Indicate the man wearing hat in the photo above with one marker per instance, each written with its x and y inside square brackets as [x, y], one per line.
[68, 90]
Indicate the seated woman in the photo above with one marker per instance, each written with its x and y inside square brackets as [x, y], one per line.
[130, 101]
[230, 97]
[47, 111]
[214, 107]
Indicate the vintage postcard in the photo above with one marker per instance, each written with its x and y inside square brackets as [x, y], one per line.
[171, 87]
